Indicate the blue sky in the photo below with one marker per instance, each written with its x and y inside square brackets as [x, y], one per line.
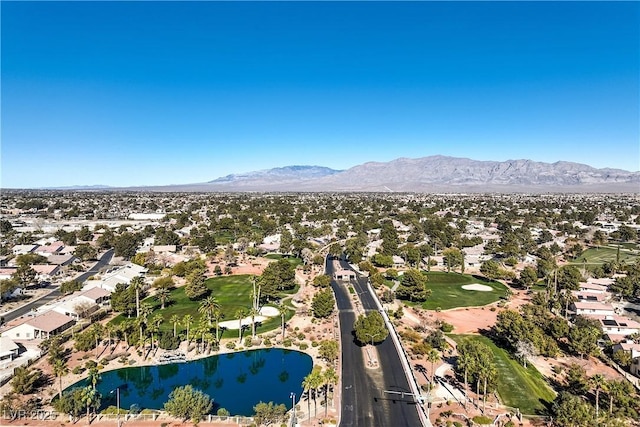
[150, 93]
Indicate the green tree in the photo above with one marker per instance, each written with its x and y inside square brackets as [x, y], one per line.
[330, 378]
[571, 411]
[25, 380]
[598, 383]
[25, 275]
[584, 335]
[452, 258]
[277, 277]
[126, 245]
[195, 287]
[137, 284]
[323, 303]
[269, 413]
[413, 286]
[187, 402]
[370, 328]
[70, 286]
[321, 280]
[528, 277]
[85, 252]
[163, 295]
[328, 350]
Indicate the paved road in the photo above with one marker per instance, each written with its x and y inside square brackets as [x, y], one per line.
[364, 403]
[104, 260]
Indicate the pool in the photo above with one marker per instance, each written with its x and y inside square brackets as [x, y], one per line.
[235, 381]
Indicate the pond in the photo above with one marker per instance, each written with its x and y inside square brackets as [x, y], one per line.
[235, 381]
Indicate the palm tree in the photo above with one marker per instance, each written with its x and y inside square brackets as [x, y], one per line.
[137, 283]
[598, 382]
[217, 316]
[175, 320]
[253, 311]
[163, 295]
[93, 376]
[187, 320]
[486, 372]
[433, 356]
[208, 306]
[60, 369]
[143, 317]
[110, 329]
[330, 377]
[154, 328]
[240, 313]
[97, 331]
[317, 380]
[307, 385]
[281, 308]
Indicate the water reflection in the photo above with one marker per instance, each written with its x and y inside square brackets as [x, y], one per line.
[235, 383]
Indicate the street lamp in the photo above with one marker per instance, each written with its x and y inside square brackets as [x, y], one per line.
[292, 395]
[372, 335]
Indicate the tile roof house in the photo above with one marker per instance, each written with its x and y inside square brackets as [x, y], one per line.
[617, 327]
[592, 308]
[46, 271]
[23, 249]
[48, 250]
[634, 350]
[43, 326]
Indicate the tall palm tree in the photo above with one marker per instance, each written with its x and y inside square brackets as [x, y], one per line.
[217, 316]
[317, 380]
[60, 369]
[93, 376]
[307, 385]
[137, 283]
[187, 321]
[253, 312]
[598, 382]
[208, 306]
[98, 331]
[281, 308]
[433, 356]
[240, 313]
[154, 326]
[175, 320]
[163, 295]
[330, 377]
[143, 317]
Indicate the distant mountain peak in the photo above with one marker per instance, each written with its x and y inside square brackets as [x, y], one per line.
[280, 174]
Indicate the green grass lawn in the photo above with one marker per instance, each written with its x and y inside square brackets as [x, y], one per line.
[518, 387]
[232, 293]
[600, 255]
[292, 260]
[447, 292]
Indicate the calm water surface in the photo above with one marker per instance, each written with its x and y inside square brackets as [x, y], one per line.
[236, 381]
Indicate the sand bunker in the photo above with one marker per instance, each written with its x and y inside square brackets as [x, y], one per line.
[477, 287]
[265, 313]
[269, 311]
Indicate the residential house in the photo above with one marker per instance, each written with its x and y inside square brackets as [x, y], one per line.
[592, 287]
[592, 308]
[617, 328]
[9, 350]
[634, 349]
[42, 326]
[23, 249]
[61, 260]
[46, 271]
[48, 250]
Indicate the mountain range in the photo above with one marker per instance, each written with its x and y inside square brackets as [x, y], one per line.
[433, 174]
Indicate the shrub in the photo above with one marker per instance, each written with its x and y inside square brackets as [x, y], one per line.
[231, 345]
[248, 341]
[482, 420]
[287, 342]
[446, 327]
[168, 342]
[303, 346]
[77, 370]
